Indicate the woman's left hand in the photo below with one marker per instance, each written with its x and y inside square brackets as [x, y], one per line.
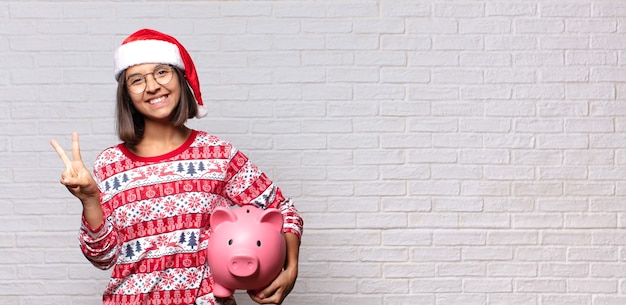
[278, 290]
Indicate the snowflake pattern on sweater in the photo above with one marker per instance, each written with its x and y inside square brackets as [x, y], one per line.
[156, 226]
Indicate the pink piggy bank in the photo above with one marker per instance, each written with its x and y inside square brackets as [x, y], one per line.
[246, 248]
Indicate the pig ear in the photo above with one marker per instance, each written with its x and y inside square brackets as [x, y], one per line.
[272, 216]
[222, 214]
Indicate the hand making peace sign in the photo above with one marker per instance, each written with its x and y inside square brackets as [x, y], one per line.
[76, 176]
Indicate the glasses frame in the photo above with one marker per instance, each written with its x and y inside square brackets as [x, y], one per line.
[145, 79]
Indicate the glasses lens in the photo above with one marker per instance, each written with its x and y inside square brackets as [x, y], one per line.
[136, 84]
[163, 74]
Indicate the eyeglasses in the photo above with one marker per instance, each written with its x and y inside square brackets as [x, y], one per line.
[162, 74]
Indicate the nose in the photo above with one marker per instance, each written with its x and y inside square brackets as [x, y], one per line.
[243, 265]
[151, 83]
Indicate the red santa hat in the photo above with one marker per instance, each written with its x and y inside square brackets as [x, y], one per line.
[150, 46]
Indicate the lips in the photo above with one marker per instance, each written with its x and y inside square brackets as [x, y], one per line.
[157, 100]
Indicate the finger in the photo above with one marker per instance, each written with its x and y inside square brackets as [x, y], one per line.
[269, 295]
[61, 152]
[76, 148]
[253, 296]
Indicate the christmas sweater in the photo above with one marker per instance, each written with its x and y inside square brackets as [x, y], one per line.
[156, 218]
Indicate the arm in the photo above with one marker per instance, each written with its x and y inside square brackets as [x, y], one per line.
[96, 239]
[246, 184]
[259, 190]
[92, 212]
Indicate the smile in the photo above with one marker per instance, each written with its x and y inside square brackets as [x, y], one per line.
[157, 100]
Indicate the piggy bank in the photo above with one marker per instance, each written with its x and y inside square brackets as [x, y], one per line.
[246, 248]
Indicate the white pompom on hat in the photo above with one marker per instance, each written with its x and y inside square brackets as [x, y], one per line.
[150, 46]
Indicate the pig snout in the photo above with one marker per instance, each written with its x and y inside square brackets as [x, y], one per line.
[243, 265]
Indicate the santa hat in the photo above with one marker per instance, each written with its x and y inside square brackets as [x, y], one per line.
[150, 46]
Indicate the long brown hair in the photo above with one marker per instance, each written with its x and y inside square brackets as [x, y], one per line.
[131, 123]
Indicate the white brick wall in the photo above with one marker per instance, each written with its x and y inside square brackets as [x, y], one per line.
[441, 152]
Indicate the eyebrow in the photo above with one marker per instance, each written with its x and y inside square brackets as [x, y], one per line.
[143, 74]
[134, 74]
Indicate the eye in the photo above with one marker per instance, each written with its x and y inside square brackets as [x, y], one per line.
[258, 243]
[135, 80]
[162, 71]
[230, 242]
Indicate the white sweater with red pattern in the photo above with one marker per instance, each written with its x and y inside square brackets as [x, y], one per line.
[156, 227]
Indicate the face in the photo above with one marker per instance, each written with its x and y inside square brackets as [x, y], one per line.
[158, 101]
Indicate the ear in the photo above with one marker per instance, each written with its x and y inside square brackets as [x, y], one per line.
[220, 215]
[273, 217]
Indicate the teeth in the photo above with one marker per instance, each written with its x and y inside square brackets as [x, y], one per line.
[157, 100]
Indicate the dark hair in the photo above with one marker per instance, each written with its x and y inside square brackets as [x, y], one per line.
[130, 122]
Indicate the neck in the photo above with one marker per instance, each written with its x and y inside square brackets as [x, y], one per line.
[159, 139]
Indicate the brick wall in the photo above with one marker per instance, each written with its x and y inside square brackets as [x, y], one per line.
[441, 152]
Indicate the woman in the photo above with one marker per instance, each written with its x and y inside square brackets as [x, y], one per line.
[146, 208]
